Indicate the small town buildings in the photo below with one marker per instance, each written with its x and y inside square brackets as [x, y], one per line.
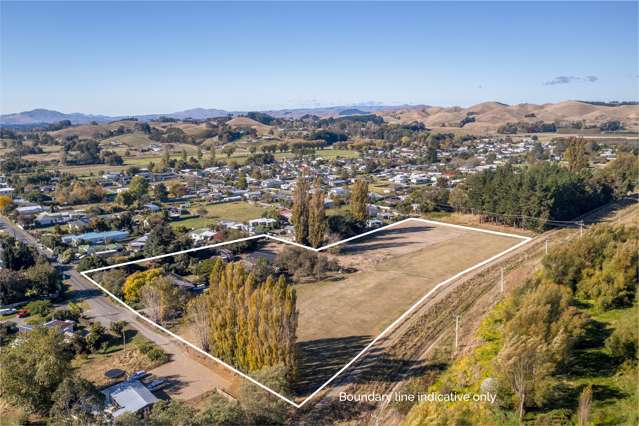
[96, 237]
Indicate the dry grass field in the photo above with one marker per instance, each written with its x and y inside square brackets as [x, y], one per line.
[396, 267]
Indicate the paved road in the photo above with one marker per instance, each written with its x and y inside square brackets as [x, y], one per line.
[192, 378]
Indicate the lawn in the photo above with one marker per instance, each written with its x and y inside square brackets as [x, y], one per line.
[237, 212]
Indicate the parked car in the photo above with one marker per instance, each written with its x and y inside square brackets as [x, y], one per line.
[156, 384]
[138, 375]
[7, 311]
[22, 313]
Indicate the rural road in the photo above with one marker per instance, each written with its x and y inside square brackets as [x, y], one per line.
[194, 378]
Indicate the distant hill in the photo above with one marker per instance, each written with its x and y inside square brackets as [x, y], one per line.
[489, 116]
[486, 116]
[352, 111]
[40, 116]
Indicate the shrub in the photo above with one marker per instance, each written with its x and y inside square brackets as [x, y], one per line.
[157, 355]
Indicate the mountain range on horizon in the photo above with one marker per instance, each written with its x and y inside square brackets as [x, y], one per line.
[47, 116]
[484, 115]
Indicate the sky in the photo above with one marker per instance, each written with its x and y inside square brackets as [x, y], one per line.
[137, 58]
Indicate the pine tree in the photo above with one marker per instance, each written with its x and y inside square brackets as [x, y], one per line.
[317, 216]
[301, 210]
[359, 200]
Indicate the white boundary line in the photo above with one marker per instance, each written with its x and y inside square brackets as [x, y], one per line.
[363, 351]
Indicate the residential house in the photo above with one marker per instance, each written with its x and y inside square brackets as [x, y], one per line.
[128, 397]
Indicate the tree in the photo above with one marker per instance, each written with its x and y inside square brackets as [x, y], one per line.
[16, 255]
[241, 181]
[117, 328]
[134, 283]
[458, 198]
[359, 200]
[151, 299]
[125, 198]
[525, 367]
[76, 401]
[91, 262]
[198, 315]
[33, 368]
[13, 286]
[5, 203]
[260, 406]
[252, 325]
[576, 155]
[228, 150]
[585, 404]
[622, 173]
[160, 192]
[45, 279]
[300, 210]
[316, 216]
[161, 239]
[139, 188]
[172, 413]
[220, 411]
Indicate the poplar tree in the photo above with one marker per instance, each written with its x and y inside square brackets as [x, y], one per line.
[301, 210]
[317, 216]
[576, 155]
[359, 200]
[251, 325]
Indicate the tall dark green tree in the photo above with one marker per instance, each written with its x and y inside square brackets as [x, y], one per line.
[300, 209]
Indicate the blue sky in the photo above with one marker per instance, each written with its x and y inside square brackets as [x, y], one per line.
[135, 58]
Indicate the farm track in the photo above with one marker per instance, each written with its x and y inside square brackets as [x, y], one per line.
[407, 350]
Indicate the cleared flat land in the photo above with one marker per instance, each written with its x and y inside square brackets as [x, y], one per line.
[396, 267]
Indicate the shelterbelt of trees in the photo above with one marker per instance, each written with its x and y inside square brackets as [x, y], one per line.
[533, 195]
[546, 191]
[247, 322]
[561, 349]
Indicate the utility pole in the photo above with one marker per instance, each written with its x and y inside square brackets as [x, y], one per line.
[502, 280]
[124, 339]
[456, 332]
[546, 245]
[581, 228]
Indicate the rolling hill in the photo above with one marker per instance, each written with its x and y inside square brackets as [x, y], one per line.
[488, 116]
[485, 116]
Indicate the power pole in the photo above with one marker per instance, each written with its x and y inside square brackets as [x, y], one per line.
[581, 228]
[546, 245]
[502, 280]
[456, 332]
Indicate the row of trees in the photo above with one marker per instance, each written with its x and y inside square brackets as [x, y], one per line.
[542, 192]
[308, 213]
[249, 324]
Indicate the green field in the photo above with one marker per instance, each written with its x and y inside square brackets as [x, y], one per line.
[238, 212]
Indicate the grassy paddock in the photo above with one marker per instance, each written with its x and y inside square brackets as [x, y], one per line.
[238, 212]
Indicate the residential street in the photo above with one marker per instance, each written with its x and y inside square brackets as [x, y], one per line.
[192, 377]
